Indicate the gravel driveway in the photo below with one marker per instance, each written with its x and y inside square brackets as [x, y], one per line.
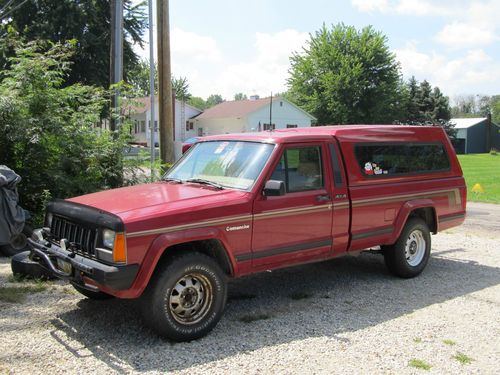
[346, 316]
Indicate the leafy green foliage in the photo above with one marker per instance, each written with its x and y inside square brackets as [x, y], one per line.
[139, 78]
[50, 134]
[197, 102]
[181, 88]
[495, 109]
[213, 100]
[477, 106]
[421, 104]
[88, 22]
[240, 96]
[346, 76]
[139, 81]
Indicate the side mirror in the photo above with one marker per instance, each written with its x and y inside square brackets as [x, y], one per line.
[274, 188]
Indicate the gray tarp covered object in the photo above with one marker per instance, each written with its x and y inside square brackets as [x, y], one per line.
[12, 216]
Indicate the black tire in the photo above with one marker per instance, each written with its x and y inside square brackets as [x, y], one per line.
[23, 266]
[95, 295]
[8, 250]
[185, 298]
[409, 255]
[19, 243]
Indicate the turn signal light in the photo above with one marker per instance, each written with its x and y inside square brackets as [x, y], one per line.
[120, 249]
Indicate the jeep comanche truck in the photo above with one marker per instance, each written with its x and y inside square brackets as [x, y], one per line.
[239, 204]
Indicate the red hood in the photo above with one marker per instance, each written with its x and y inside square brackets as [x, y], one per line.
[162, 195]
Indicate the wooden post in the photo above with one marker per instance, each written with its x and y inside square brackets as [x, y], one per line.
[165, 111]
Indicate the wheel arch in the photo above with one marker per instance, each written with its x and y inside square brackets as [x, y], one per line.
[421, 208]
[165, 246]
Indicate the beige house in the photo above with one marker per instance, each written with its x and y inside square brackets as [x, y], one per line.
[251, 115]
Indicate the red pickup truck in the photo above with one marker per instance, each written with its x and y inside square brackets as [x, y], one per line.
[244, 203]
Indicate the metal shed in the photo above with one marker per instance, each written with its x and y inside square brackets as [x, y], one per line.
[476, 135]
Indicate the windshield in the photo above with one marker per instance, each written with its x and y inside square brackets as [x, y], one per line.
[230, 164]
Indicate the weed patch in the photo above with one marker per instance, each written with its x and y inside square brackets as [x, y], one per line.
[463, 358]
[17, 294]
[418, 363]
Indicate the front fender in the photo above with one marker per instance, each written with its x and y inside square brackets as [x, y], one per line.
[161, 244]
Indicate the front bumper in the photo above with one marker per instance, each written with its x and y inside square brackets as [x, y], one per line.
[109, 276]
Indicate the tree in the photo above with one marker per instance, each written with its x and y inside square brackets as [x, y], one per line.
[87, 22]
[48, 132]
[474, 105]
[138, 78]
[346, 76]
[181, 88]
[197, 102]
[213, 100]
[425, 105]
[240, 96]
[495, 109]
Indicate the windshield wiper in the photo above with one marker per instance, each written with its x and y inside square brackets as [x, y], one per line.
[173, 179]
[205, 182]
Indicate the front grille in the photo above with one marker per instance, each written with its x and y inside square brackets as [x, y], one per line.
[84, 238]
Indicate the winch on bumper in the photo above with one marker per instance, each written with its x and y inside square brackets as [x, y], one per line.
[68, 265]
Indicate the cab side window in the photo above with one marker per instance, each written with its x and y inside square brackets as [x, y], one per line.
[301, 169]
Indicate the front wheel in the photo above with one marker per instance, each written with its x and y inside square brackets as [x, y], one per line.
[186, 297]
[409, 255]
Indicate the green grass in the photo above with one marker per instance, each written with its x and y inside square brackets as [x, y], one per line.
[418, 363]
[449, 342]
[17, 294]
[483, 169]
[463, 358]
[417, 340]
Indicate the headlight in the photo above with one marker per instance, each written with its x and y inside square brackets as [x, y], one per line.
[108, 238]
[48, 219]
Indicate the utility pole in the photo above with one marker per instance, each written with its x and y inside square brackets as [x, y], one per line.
[152, 89]
[165, 84]
[116, 71]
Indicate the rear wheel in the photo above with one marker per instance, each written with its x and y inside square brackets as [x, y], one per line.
[409, 255]
[186, 297]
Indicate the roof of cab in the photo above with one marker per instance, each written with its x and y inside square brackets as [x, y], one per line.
[361, 133]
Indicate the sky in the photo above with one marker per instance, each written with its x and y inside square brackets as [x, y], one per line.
[231, 46]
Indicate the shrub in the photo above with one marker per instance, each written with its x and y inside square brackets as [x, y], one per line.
[49, 132]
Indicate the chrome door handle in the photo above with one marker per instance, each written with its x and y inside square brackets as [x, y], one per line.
[323, 198]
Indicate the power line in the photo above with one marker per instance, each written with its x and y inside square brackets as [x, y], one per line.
[2, 17]
[6, 6]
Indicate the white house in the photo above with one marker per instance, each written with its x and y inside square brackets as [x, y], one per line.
[250, 116]
[139, 111]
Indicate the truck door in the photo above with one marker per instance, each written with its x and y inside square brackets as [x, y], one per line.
[341, 201]
[297, 226]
